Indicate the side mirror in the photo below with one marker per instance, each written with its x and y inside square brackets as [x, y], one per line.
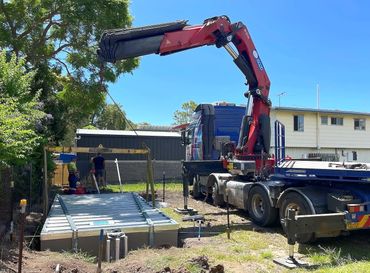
[183, 138]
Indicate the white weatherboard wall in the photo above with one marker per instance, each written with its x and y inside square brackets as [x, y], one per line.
[317, 138]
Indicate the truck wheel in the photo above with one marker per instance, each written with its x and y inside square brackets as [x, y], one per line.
[196, 188]
[293, 200]
[218, 199]
[259, 207]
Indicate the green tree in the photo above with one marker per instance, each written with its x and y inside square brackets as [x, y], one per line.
[90, 127]
[59, 39]
[111, 118]
[184, 115]
[19, 113]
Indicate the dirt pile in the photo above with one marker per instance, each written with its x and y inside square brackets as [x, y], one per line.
[201, 261]
[47, 262]
[169, 270]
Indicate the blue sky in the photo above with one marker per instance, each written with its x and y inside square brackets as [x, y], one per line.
[301, 44]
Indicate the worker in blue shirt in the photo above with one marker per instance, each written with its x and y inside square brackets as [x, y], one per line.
[99, 169]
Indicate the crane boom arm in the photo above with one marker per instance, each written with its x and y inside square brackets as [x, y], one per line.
[164, 39]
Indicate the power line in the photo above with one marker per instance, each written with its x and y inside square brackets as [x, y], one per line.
[123, 114]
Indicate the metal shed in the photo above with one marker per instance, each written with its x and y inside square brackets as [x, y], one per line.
[75, 221]
[163, 145]
[166, 150]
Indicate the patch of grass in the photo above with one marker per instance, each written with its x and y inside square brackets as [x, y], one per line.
[174, 215]
[250, 239]
[331, 256]
[221, 256]
[81, 255]
[238, 249]
[193, 268]
[168, 259]
[247, 258]
[320, 259]
[267, 255]
[363, 267]
[141, 186]
[176, 259]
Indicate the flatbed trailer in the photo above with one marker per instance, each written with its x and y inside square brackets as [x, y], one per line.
[329, 198]
[343, 189]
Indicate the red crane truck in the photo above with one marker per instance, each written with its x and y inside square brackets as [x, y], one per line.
[327, 198]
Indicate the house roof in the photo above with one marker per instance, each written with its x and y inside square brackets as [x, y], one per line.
[127, 133]
[324, 111]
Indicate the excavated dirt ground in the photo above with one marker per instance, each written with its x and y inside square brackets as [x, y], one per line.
[250, 249]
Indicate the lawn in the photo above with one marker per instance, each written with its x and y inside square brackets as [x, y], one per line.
[141, 187]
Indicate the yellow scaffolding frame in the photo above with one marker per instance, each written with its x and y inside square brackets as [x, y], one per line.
[103, 150]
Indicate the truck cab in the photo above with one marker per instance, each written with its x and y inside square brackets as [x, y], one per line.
[212, 126]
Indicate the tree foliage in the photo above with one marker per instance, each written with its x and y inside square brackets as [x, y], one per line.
[111, 118]
[59, 38]
[19, 113]
[184, 115]
[64, 33]
[53, 69]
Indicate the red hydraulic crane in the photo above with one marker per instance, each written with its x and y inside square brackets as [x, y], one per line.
[168, 38]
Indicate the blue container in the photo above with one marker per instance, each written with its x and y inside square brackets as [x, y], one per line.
[66, 158]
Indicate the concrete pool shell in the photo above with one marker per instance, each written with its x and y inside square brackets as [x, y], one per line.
[74, 222]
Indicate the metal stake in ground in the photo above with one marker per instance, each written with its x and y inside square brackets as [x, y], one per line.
[150, 178]
[119, 176]
[228, 215]
[164, 185]
[199, 228]
[100, 250]
[23, 205]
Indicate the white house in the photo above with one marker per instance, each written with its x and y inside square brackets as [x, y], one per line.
[310, 131]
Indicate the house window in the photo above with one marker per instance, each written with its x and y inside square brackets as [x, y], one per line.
[354, 155]
[360, 124]
[298, 123]
[324, 120]
[336, 121]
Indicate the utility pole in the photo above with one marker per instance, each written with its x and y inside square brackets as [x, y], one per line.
[318, 96]
[279, 95]
[318, 117]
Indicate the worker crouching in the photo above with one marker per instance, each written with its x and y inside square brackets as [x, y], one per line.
[72, 176]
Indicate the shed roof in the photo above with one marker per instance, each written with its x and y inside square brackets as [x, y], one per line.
[126, 133]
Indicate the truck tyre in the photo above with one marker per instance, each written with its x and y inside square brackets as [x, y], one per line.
[196, 188]
[218, 199]
[259, 207]
[294, 200]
